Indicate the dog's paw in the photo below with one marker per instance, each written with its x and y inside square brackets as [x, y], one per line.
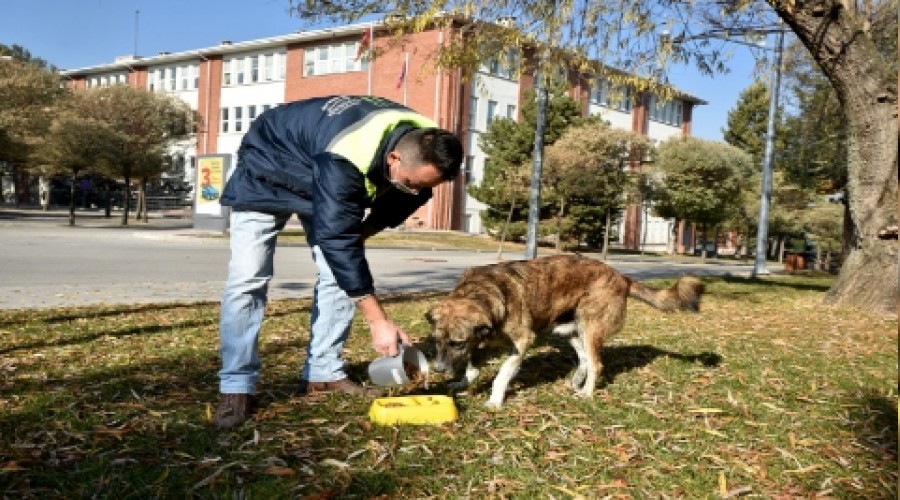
[578, 379]
[584, 394]
[493, 405]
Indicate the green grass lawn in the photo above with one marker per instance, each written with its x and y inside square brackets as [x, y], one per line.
[765, 394]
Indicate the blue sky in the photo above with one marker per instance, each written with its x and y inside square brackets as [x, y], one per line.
[78, 33]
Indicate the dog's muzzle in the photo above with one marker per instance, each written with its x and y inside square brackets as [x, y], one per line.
[440, 365]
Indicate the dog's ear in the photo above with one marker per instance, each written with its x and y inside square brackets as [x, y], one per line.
[481, 332]
[429, 318]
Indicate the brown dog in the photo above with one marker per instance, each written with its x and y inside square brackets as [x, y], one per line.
[514, 302]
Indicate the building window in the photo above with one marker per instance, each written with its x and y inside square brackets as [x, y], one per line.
[669, 113]
[511, 111]
[268, 67]
[600, 94]
[468, 169]
[504, 65]
[266, 107]
[195, 75]
[251, 112]
[160, 80]
[239, 71]
[224, 120]
[226, 72]
[625, 103]
[238, 119]
[280, 64]
[183, 73]
[494, 66]
[491, 112]
[618, 98]
[331, 59]
[254, 69]
[170, 73]
[473, 112]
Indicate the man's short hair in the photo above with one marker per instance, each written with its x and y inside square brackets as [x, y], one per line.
[434, 146]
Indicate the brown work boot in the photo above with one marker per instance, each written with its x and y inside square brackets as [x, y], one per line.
[234, 410]
[344, 385]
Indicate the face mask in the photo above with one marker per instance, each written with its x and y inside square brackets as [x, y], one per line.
[403, 188]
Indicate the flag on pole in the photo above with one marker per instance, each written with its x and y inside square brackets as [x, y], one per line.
[402, 75]
[364, 44]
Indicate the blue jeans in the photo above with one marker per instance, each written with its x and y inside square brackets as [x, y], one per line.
[253, 239]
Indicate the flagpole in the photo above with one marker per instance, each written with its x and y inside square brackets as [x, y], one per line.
[371, 60]
[137, 15]
[405, 75]
[437, 83]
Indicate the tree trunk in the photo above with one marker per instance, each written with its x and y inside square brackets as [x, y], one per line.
[562, 205]
[644, 214]
[138, 206]
[107, 209]
[126, 203]
[673, 238]
[606, 234]
[512, 208]
[140, 213]
[702, 244]
[15, 184]
[72, 201]
[144, 200]
[44, 192]
[866, 87]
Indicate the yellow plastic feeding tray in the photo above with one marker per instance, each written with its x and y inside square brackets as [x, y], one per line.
[413, 410]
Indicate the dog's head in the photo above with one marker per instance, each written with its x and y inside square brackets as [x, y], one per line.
[457, 326]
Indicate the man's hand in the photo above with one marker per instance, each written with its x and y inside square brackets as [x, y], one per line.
[386, 335]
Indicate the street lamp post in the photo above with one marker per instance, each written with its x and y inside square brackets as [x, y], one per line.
[541, 81]
[762, 230]
[534, 199]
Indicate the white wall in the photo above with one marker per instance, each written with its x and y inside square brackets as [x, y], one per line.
[616, 119]
[656, 232]
[504, 92]
[271, 94]
[661, 131]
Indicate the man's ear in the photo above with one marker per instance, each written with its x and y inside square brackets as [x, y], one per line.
[392, 157]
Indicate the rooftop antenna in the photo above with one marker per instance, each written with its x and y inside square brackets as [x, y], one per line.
[137, 14]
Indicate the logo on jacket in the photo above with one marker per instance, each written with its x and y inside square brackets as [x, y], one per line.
[338, 104]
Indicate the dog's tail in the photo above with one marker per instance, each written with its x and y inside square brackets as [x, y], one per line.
[682, 296]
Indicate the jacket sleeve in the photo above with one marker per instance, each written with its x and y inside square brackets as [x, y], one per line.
[339, 198]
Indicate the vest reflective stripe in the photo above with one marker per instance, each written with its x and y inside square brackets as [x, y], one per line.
[359, 145]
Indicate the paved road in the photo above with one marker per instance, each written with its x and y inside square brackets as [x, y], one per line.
[45, 264]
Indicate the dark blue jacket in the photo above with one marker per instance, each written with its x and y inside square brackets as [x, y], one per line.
[324, 160]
